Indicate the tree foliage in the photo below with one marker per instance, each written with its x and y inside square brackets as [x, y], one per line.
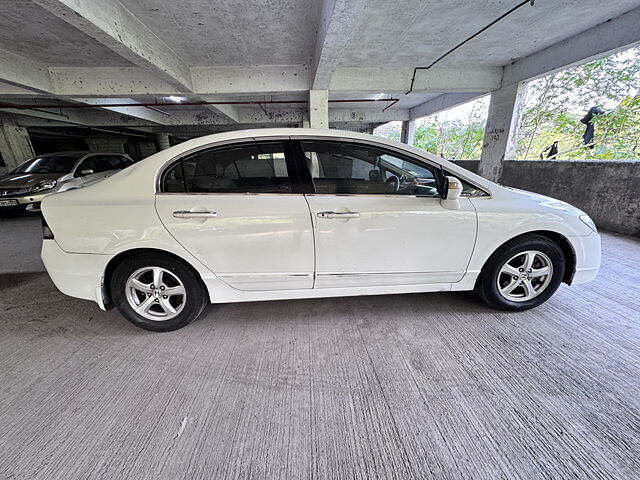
[553, 108]
[452, 139]
[555, 104]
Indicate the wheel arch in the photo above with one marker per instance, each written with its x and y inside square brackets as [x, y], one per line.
[560, 240]
[116, 260]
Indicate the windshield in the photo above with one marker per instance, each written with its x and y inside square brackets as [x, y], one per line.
[48, 164]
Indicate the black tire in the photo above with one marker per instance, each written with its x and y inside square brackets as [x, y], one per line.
[487, 283]
[196, 294]
[11, 212]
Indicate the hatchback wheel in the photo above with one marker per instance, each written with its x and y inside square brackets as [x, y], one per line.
[522, 274]
[157, 292]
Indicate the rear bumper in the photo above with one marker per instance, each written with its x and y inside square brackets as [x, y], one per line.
[75, 274]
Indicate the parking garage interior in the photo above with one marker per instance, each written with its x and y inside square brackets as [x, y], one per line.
[390, 386]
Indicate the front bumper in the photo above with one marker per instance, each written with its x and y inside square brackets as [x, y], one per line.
[588, 251]
[78, 275]
[29, 202]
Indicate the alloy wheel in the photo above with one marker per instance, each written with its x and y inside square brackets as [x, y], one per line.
[155, 293]
[525, 276]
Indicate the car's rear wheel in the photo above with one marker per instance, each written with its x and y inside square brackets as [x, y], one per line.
[522, 274]
[157, 292]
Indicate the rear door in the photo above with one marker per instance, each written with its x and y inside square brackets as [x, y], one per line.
[379, 219]
[240, 210]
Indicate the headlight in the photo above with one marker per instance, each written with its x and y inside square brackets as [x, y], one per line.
[44, 185]
[586, 219]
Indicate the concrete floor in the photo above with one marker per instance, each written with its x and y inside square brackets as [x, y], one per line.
[407, 386]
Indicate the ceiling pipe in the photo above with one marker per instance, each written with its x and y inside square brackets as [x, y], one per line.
[174, 104]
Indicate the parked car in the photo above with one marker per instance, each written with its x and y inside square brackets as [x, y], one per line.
[299, 213]
[24, 187]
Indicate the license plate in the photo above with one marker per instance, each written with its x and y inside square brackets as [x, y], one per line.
[8, 203]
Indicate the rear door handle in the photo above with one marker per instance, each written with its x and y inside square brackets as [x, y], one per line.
[338, 214]
[190, 214]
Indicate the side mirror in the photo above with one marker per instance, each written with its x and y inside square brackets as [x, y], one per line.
[88, 171]
[454, 188]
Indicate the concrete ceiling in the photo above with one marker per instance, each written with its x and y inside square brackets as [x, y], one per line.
[31, 31]
[115, 51]
[232, 32]
[416, 32]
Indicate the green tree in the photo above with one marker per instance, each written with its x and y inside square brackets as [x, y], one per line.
[555, 104]
[454, 139]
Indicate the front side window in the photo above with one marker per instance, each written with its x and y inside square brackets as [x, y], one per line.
[246, 168]
[113, 162]
[89, 164]
[468, 190]
[349, 168]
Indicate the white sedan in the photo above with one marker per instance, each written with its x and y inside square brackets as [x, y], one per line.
[299, 213]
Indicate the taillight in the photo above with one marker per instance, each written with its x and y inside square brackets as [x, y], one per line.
[47, 234]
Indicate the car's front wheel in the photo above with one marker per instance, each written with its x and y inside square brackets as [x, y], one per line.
[157, 292]
[522, 274]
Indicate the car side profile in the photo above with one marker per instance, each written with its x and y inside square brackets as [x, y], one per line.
[25, 186]
[299, 213]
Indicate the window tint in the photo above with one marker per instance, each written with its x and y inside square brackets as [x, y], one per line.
[247, 168]
[90, 163]
[113, 162]
[104, 163]
[345, 168]
[48, 164]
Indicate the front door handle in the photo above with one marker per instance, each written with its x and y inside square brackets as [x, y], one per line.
[190, 214]
[338, 214]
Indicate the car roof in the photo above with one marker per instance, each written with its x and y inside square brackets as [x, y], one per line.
[64, 154]
[79, 153]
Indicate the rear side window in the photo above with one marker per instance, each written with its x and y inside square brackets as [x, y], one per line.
[259, 167]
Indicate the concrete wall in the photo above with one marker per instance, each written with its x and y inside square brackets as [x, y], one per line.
[609, 191]
[110, 145]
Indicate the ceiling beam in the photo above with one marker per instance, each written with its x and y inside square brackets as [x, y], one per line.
[612, 36]
[435, 80]
[26, 76]
[259, 80]
[338, 21]
[202, 118]
[85, 118]
[265, 80]
[442, 102]
[111, 24]
[143, 113]
[24, 73]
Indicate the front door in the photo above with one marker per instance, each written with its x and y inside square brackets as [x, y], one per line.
[379, 219]
[239, 210]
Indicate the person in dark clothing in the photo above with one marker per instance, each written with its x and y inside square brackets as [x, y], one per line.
[589, 133]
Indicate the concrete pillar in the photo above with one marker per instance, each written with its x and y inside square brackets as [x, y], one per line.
[15, 144]
[505, 112]
[408, 132]
[163, 141]
[319, 108]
